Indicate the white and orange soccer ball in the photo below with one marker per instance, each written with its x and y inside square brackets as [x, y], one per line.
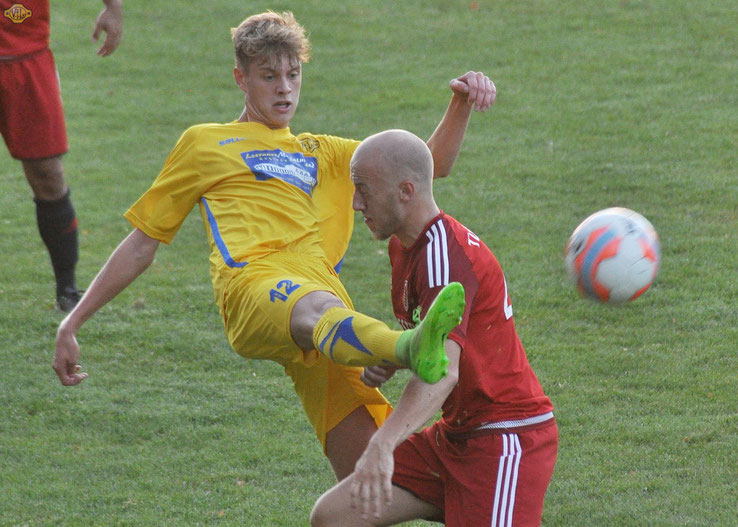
[613, 256]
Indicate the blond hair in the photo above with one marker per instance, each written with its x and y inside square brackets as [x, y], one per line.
[270, 36]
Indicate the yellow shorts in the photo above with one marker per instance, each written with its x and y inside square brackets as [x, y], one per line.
[257, 307]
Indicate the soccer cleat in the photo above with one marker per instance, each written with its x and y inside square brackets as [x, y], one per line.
[67, 299]
[427, 346]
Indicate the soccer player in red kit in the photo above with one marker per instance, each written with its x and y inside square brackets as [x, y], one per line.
[32, 124]
[489, 459]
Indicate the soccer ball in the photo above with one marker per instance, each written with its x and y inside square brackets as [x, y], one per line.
[613, 255]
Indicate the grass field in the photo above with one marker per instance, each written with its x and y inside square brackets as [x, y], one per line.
[602, 103]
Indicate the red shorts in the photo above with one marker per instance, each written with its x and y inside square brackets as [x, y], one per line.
[492, 479]
[31, 113]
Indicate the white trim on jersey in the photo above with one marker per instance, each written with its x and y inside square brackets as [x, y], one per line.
[437, 255]
[516, 423]
[507, 481]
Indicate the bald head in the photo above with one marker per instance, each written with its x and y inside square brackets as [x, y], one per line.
[396, 155]
[392, 173]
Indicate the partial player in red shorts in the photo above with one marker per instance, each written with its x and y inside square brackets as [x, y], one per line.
[32, 124]
[489, 459]
[495, 477]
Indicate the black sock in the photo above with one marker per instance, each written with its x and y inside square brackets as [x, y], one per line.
[57, 224]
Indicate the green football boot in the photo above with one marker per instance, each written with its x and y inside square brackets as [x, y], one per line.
[425, 345]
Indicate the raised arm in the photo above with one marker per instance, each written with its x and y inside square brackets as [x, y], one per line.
[472, 91]
[131, 258]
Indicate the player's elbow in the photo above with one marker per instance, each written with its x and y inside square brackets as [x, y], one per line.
[145, 257]
[143, 248]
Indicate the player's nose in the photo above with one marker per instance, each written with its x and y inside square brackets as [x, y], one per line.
[283, 85]
[357, 203]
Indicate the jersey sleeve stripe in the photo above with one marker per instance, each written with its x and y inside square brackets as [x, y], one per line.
[444, 252]
[437, 255]
[429, 258]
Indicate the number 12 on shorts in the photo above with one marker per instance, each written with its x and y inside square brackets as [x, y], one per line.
[283, 290]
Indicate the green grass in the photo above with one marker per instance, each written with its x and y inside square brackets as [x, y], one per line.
[629, 103]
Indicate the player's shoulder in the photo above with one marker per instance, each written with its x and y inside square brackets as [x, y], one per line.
[466, 241]
[326, 137]
[194, 132]
[326, 142]
[458, 232]
[215, 135]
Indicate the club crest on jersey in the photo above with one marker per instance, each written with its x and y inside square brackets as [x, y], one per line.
[17, 13]
[309, 144]
[293, 168]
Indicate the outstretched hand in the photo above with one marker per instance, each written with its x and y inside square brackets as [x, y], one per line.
[110, 20]
[66, 356]
[478, 89]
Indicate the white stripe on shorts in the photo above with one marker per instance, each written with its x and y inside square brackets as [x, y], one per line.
[507, 481]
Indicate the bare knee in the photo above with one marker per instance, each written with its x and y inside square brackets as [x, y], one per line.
[306, 314]
[333, 509]
[46, 177]
[320, 518]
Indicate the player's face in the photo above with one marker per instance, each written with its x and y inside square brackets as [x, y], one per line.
[272, 91]
[377, 200]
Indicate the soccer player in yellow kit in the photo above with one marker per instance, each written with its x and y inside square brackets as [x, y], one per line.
[277, 211]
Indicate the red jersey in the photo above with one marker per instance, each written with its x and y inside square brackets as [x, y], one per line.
[24, 26]
[497, 387]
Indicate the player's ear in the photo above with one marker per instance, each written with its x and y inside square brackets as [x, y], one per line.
[238, 75]
[407, 190]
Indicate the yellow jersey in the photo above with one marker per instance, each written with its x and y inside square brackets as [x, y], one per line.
[259, 191]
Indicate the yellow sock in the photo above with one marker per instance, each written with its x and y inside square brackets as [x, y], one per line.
[351, 338]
